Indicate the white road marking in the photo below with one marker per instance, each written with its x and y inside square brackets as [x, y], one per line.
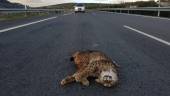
[23, 25]
[31, 23]
[148, 35]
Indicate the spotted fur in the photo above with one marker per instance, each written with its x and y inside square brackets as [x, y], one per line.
[93, 64]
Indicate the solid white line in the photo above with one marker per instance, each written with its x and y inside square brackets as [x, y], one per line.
[148, 35]
[27, 24]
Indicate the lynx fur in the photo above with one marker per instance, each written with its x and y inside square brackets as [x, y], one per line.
[93, 64]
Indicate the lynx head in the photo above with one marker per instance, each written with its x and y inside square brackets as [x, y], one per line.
[108, 78]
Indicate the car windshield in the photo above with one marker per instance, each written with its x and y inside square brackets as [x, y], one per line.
[79, 4]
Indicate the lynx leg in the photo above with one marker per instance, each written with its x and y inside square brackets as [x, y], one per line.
[67, 80]
[82, 80]
[82, 76]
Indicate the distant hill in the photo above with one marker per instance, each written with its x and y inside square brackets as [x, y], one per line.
[60, 6]
[7, 4]
[98, 5]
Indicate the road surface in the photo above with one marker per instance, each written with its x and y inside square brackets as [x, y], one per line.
[34, 58]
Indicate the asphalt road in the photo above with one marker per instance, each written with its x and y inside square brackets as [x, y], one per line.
[34, 58]
[14, 22]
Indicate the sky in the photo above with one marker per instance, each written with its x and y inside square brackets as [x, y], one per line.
[37, 3]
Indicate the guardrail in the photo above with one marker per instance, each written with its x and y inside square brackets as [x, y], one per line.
[156, 9]
[28, 12]
[3, 10]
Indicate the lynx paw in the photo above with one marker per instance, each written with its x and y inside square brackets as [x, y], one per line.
[97, 80]
[85, 83]
[63, 82]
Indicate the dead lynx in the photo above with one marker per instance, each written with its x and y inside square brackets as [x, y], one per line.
[93, 64]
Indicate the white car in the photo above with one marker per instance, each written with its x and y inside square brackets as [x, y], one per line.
[79, 8]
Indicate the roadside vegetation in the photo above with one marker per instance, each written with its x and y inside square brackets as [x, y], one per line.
[14, 16]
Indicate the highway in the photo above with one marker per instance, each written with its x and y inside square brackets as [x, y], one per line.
[35, 57]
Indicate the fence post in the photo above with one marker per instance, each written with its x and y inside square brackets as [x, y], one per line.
[158, 13]
[25, 10]
[159, 7]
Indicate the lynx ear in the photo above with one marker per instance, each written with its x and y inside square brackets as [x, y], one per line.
[74, 56]
[71, 58]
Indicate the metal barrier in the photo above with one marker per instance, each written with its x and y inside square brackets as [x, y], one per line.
[156, 9]
[4, 11]
[10, 11]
